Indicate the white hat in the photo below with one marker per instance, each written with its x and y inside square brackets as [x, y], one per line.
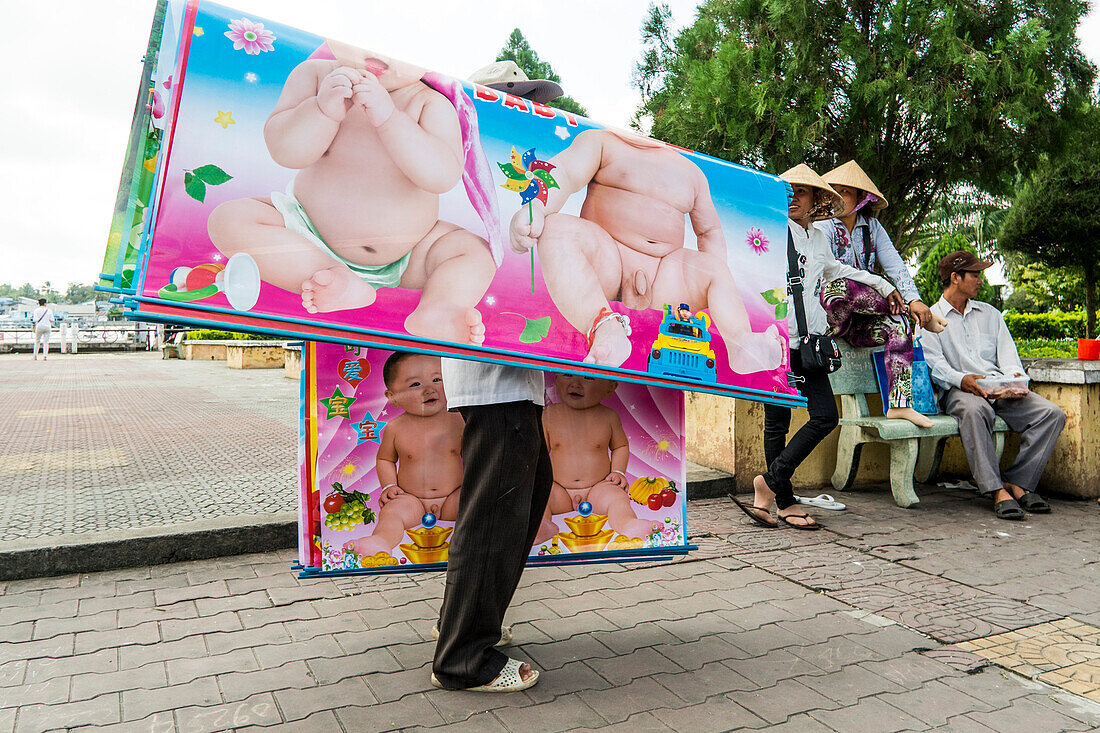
[506, 76]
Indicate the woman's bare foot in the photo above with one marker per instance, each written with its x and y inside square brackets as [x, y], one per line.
[795, 516]
[908, 413]
[610, 345]
[335, 289]
[756, 352]
[762, 501]
[444, 322]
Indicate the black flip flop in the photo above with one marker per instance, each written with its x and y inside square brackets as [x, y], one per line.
[1034, 503]
[748, 510]
[1008, 509]
[807, 527]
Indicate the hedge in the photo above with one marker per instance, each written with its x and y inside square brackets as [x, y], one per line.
[212, 335]
[1046, 325]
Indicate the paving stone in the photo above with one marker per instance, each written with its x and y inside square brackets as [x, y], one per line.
[909, 671]
[869, 713]
[696, 686]
[239, 685]
[935, 703]
[694, 654]
[777, 703]
[573, 677]
[21, 632]
[406, 712]
[254, 617]
[322, 721]
[568, 712]
[46, 693]
[770, 668]
[558, 653]
[137, 704]
[98, 711]
[276, 655]
[621, 669]
[214, 606]
[40, 670]
[298, 703]
[184, 670]
[93, 684]
[327, 670]
[835, 653]
[142, 634]
[1026, 715]
[12, 673]
[716, 714]
[221, 642]
[55, 646]
[617, 704]
[112, 602]
[257, 710]
[393, 686]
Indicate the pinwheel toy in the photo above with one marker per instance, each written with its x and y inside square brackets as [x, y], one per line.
[530, 178]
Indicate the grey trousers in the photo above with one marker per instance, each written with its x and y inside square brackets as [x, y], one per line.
[1038, 421]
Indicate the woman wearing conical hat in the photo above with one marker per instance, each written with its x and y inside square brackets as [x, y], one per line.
[812, 199]
[857, 313]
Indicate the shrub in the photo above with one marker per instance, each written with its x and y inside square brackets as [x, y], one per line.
[1046, 325]
[206, 334]
[1047, 348]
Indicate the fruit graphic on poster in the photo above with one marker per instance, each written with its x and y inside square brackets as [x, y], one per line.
[350, 507]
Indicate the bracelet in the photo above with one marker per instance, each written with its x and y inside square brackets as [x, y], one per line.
[387, 486]
[618, 472]
[605, 315]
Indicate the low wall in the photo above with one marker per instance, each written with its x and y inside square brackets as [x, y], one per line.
[255, 355]
[1073, 470]
[292, 361]
[201, 350]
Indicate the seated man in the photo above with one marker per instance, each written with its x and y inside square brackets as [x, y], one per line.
[976, 344]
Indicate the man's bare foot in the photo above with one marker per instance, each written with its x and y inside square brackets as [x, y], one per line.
[908, 413]
[936, 324]
[756, 352]
[525, 671]
[446, 322]
[610, 345]
[335, 289]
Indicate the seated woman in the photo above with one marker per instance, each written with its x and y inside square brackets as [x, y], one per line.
[813, 199]
[856, 312]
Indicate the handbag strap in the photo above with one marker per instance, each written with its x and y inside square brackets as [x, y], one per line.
[794, 284]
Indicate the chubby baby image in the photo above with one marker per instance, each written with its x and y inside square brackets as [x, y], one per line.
[374, 145]
[589, 453]
[628, 245]
[419, 462]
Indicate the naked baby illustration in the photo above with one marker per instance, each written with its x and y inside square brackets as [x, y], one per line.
[589, 454]
[419, 463]
[628, 245]
[375, 143]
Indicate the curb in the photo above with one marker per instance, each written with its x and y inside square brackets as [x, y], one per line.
[98, 551]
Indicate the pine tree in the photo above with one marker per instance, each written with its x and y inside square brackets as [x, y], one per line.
[519, 50]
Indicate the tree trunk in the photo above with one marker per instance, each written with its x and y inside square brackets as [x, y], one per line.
[1090, 301]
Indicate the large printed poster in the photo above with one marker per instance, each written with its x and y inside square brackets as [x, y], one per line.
[382, 470]
[314, 188]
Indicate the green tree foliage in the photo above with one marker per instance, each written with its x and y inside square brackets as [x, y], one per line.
[519, 50]
[928, 275]
[77, 293]
[1055, 218]
[1038, 288]
[928, 95]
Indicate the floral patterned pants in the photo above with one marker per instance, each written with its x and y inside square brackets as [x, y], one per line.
[861, 316]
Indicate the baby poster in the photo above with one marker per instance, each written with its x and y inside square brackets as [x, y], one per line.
[313, 188]
[382, 467]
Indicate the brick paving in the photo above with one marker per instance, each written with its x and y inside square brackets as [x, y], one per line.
[102, 442]
[939, 618]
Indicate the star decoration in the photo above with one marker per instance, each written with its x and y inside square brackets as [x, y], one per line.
[198, 30]
[225, 119]
[338, 405]
[250, 77]
[561, 132]
[491, 300]
[369, 429]
[217, 257]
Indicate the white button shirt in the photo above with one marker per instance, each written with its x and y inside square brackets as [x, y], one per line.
[975, 341]
[469, 383]
[815, 257]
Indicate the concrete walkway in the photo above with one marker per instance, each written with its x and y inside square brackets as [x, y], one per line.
[938, 618]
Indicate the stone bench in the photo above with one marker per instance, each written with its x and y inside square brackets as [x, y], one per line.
[255, 354]
[292, 360]
[207, 349]
[914, 452]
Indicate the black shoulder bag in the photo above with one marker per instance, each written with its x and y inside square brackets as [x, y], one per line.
[819, 354]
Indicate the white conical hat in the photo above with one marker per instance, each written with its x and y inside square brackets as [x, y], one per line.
[804, 175]
[850, 174]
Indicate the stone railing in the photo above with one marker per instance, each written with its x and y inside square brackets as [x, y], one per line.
[728, 434]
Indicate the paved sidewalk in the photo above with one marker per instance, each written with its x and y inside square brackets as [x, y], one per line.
[801, 631]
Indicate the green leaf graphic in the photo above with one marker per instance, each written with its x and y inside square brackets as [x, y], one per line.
[535, 330]
[194, 187]
[212, 174]
[781, 311]
[775, 296]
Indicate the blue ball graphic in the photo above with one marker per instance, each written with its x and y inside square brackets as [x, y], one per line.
[428, 520]
[585, 508]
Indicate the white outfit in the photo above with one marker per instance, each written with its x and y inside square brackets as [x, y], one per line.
[43, 324]
[818, 267]
[975, 341]
[469, 383]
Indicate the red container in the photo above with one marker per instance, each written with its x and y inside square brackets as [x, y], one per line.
[1088, 349]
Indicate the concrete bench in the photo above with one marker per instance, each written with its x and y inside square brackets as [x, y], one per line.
[207, 349]
[255, 355]
[292, 360]
[174, 349]
[914, 452]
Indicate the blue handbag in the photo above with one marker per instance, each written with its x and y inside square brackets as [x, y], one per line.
[924, 397]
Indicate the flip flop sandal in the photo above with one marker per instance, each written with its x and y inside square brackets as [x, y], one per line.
[507, 681]
[748, 510]
[1008, 509]
[505, 635]
[808, 527]
[1034, 503]
[822, 501]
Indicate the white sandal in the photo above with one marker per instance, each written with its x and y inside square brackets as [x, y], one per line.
[822, 501]
[508, 680]
[505, 635]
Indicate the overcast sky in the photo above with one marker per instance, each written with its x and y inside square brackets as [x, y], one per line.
[70, 79]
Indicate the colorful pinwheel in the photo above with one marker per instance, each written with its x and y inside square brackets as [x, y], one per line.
[530, 178]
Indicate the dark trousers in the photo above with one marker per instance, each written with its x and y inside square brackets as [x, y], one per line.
[784, 457]
[506, 480]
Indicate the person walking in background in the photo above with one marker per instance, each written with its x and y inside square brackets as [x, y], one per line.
[857, 313]
[976, 361]
[42, 319]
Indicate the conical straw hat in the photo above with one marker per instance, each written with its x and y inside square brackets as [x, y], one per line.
[803, 175]
[850, 174]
